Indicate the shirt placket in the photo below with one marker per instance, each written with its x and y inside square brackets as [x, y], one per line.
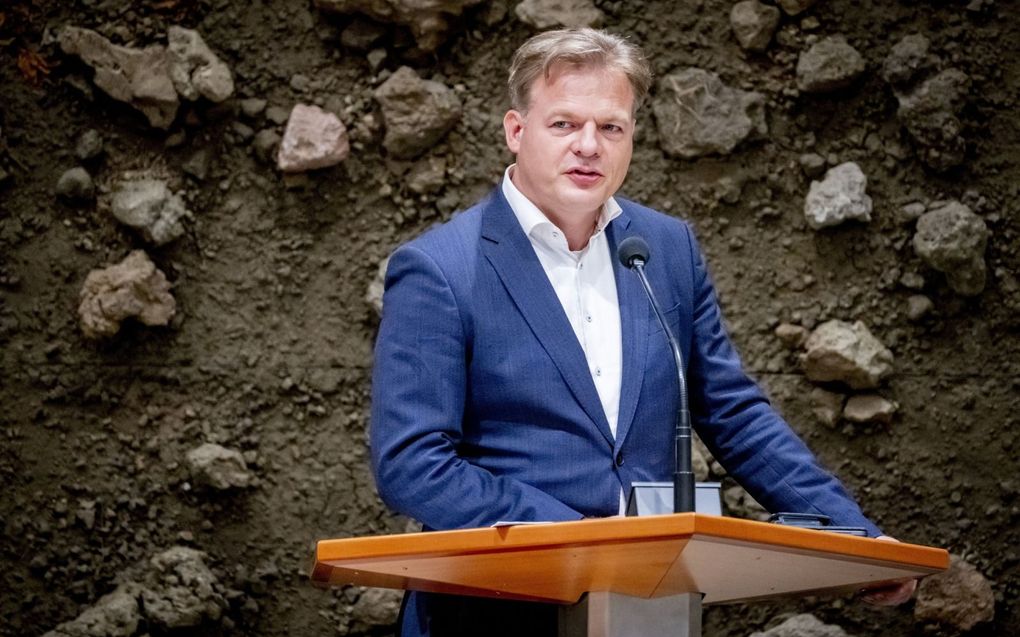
[585, 293]
[582, 316]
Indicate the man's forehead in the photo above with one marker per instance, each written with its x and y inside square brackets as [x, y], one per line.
[562, 74]
[559, 70]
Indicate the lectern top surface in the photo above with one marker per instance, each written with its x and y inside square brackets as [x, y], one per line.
[725, 558]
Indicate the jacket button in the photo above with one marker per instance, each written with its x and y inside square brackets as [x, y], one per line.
[619, 459]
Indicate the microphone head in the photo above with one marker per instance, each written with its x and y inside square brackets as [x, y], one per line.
[631, 250]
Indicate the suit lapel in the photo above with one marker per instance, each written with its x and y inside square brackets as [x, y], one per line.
[511, 255]
[634, 317]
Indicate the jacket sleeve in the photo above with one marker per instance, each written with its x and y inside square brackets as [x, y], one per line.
[419, 396]
[743, 431]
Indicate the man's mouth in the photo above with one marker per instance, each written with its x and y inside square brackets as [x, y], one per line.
[584, 177]
[582, 171]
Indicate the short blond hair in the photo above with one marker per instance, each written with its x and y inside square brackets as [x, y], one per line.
[578, 48]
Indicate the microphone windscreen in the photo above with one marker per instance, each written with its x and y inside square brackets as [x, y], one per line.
[632, 249]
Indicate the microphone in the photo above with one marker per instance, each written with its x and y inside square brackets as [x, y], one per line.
[633, 253]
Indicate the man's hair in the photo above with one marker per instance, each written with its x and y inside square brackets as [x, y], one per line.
[580, 49]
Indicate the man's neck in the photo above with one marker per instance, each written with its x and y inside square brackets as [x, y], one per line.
[577, 230]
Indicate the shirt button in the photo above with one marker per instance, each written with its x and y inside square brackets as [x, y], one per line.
[556, 235]
[619, 459]
[588, 318]
[598, 371]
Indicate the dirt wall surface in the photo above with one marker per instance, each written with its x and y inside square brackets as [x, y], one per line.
[166, 465]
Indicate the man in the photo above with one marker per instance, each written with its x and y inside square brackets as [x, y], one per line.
[520, 373]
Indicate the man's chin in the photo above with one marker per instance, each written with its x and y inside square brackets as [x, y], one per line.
[584, 202]
[582, 196]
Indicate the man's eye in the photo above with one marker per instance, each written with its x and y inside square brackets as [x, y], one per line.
[561, 124]
[612, 128]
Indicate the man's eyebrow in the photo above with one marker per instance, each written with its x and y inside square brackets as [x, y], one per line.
[616, 116]
[561, 114]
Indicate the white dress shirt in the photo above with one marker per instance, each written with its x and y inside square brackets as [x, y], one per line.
[584, 282]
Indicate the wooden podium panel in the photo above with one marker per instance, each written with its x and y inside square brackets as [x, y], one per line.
[726, 559]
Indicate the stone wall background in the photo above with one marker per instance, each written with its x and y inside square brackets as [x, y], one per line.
[170, 472]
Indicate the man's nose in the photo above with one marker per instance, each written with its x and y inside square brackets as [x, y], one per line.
[586, 142]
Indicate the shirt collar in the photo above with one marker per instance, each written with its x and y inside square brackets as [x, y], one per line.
[530, 217]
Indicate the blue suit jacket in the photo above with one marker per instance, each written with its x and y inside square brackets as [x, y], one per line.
[483, 406]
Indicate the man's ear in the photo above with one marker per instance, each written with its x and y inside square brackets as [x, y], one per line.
[513, 127]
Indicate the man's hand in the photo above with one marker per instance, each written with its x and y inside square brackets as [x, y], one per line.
[890, 594]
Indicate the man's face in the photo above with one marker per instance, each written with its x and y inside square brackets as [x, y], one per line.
[574, 143]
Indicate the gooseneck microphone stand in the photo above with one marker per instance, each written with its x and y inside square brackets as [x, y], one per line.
[633, 253]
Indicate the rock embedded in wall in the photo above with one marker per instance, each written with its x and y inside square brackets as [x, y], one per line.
[847, 353]
[375, 58]
[218, 468]
[174, 591]
[417, 113]
[115, 614]
[804, 625]
[829, 65]
[796, 7]
[793, 336]
[919, 307]
[930, 101]
[149, 206]
[252, 107]
[543, 14]
[180, 591]
[139, 77]
[151, 79]
[374, 611]
[812, 164]
[362, 34]
[754, 24]
[869, 408]
[826, 406]
[197, 164]
[76, 185]
[427, 176]
[952, 239]
[313, 138]
[89, 145]
[930, 113]
[959, 597]
[265, 145]
[908, 59]
[194, 69]
[429, 21]
[374, 294]
[697, 115]
[133, 288]
[909, 213]
[840, 196]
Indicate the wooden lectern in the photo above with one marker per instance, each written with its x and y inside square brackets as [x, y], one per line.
[625, 576]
